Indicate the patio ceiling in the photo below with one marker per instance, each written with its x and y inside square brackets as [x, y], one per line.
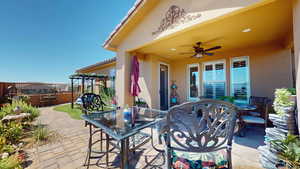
[271, 22]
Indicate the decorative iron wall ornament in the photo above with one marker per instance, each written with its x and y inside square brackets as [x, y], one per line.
[174, 17]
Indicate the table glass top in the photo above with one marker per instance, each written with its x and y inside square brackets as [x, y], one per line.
[119, 125]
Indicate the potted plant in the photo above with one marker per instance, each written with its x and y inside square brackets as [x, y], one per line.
[284, 100]
[284, 106]
[141, 103]
[293, 96]
[289, 151]
[230, 99]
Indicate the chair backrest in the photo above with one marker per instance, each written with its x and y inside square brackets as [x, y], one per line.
[261, 103]
[92, 102]
[212, 131]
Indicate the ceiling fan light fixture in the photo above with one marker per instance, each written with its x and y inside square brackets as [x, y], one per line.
[247, 30]
[199, 55]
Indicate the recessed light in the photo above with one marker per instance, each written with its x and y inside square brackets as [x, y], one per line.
[246, 30]
[172, 49]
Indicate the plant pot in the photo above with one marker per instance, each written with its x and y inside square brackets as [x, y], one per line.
[293, 98]
[291, 122]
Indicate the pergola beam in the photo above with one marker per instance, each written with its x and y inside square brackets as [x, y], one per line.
[83, 77]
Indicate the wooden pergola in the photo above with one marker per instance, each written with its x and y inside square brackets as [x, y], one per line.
[86, 77]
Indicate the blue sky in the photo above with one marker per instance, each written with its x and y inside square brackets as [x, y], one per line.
[46, 40]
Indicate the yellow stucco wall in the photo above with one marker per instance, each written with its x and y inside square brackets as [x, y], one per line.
[296, 24]
[269, 69]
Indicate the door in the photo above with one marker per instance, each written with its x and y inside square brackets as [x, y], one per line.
[240, 79]
[163, 89]
[214, 79]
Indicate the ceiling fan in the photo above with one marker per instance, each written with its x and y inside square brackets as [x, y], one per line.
[200, 51]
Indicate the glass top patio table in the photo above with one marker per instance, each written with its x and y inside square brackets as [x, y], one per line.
[114, 124]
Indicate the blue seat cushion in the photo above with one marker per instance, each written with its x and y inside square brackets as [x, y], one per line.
[191, 160]
[253, 119]
[252, 113]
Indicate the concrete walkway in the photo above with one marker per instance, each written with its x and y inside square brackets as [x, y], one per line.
[69, 151]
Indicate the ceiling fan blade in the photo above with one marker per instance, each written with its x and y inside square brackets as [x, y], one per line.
[209, 54]
[213, 48]
[194, 56]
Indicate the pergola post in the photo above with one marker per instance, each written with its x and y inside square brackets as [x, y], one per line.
[105, 83]
[72, 93]
[82, 84]
[92, 85]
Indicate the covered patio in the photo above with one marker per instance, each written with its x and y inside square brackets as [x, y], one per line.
[255, 58]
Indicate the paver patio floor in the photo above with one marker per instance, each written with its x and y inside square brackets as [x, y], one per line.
[69, 151]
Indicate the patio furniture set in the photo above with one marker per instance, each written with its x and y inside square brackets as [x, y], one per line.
[195, 134]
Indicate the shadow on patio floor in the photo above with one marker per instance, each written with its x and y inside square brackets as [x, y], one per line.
[254, 137]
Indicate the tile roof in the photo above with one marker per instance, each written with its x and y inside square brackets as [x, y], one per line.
[107, 61]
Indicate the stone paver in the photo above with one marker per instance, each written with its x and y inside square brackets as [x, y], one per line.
[69, 151]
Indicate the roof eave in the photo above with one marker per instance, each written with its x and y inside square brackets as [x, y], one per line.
[130, 13]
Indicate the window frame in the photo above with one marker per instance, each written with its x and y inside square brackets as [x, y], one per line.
[189, 66]
[214, 63]
[240, 58]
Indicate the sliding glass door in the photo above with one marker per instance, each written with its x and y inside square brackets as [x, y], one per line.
[214, 79]
[240, 81]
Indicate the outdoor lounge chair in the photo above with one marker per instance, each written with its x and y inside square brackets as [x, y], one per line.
[194, 142]
[260, 115]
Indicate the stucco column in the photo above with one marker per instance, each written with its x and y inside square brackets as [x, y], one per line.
[123, 68]
[296, 24]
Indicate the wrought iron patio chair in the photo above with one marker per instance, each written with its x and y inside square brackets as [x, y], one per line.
[198, 142]
[258, 116]
[93, 103]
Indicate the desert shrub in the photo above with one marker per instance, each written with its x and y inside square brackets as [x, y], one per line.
[12, 162]
[8, 148]
[41, 133]
[26, 108]
[24, 98]
[12, 132]
[107, 95]
[2, 142]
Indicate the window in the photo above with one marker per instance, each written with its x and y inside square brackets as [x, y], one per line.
[214, 80]
[240, 83]
[193, 81]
